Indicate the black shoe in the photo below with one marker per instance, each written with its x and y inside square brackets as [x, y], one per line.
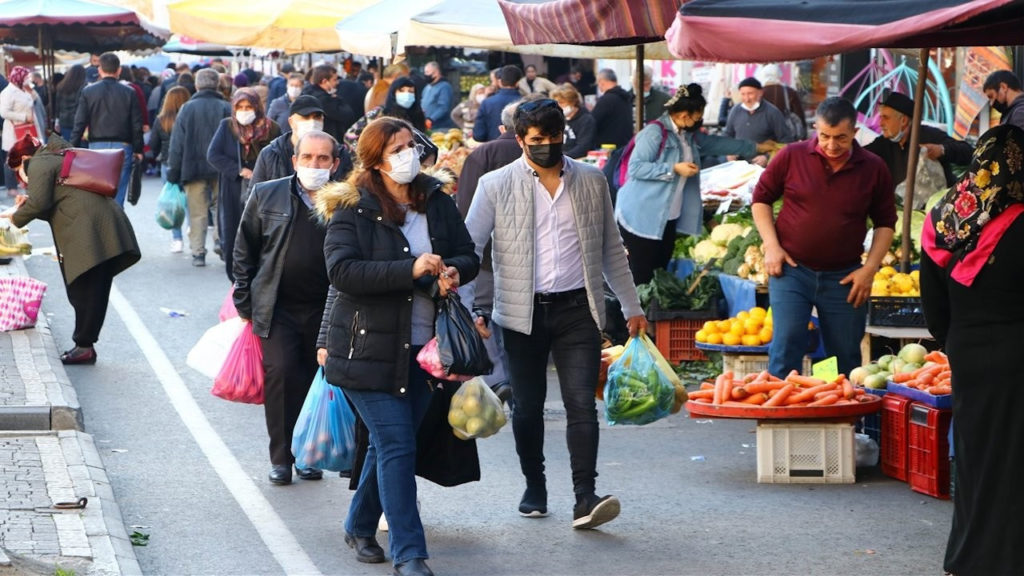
[280, 474]
[591, 511]
[414, 567]
[309, 473]
[367, 549]
[199, 260]
[79, 355]
[345, 474]
[535, 501]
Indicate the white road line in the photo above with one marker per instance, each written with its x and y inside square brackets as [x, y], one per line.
[279, 540]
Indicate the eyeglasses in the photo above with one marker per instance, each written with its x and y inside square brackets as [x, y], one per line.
[527, 107]
[418, 148]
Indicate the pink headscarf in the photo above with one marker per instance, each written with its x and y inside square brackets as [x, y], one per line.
[18, 75]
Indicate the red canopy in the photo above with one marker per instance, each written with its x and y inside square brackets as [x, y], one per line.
[78, 25]
[593, 22]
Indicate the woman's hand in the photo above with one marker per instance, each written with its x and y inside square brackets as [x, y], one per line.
[321, 356]
[20, 200]
[427, 264]
[448, 279]
[686, 169]
[481, 328]
[246, 174]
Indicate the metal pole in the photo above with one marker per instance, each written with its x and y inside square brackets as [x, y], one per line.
[638, 87]
[915, 151]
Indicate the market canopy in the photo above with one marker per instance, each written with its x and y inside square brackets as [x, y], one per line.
[712, 30]
[75, 25]
[596, 22]
[294, 26]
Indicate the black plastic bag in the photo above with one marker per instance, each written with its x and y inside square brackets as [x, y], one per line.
[135, 182]
[459, 345]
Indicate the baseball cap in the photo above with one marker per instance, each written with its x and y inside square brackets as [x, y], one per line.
[305, 105]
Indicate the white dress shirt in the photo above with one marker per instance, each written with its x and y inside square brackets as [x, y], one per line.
[558, 261]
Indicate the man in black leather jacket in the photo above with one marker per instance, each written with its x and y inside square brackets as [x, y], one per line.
[281, 286]
[103, 112]
[338, 114]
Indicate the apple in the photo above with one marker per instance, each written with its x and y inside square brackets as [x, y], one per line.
[876, 381]
[913, 353]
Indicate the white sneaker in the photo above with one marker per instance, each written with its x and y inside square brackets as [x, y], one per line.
[176, 246]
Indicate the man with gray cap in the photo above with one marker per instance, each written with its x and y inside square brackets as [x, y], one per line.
[895, 114]
[193, 130]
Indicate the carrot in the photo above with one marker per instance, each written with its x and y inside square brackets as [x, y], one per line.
[826, 401]
[702, 394]
[755, 387]
[824, 393]
[804, 381]
[701, 400]
[759, 398]
[781, 395]
[936, 356]
[902, 377]
[807, 394]
[739, 393]
[727, 387]
[926, 379]
[707, 386]
[719, 395]
[939, 390]
[847, 389]
[749, 378]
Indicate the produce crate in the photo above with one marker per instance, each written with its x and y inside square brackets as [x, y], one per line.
[872, 423]
[805, 452]
[895, 311]
[895, 416]
[942, 401]
[742, 364]
[928, 450]
[675, 339]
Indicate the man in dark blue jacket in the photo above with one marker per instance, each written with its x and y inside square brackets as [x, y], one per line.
[488, 118]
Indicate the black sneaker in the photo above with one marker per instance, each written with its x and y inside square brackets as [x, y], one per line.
[535, 502]
[591, 511]
[199, 260]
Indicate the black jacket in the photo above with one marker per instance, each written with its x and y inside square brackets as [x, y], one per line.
[67, 105]
[260, 246]
[483, 159]
[159, 142]
[613, 115]
[193, 131]
[103, 111]
[896, 157]
[338, 115]
[275, 161]
[581, 135]
[370, 266]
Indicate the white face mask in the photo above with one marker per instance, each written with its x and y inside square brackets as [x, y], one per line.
[313, 179]
[897, 138]
[294, 92]
[752, 108]
[404, 166]
[245, 117]
[302, 127]
[567, 110]
[480, 98]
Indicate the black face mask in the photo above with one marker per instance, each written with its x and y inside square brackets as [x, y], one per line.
[545, 155]
[696, 126]
[1000, 107]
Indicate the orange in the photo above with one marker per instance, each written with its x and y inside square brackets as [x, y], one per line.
[758, 312]
[731, 339]
[724, 325]
[714, 338]
[710, 326]
[701, 336]
[765, 335]
[751, 326]
[751, 340]
[737, 329]
[743, 315]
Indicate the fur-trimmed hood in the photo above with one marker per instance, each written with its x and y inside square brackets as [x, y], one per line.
[343, 195]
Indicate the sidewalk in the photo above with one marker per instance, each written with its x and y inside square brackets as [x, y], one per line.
[48, 465]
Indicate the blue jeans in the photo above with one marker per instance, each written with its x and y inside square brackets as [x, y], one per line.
[792, 296]
[566, 330]
[126, 169]
[388, 480]
[65, 133]
[175, 232]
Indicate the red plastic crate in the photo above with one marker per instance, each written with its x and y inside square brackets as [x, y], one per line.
[675, 339]
[928, 450]
[894, 421]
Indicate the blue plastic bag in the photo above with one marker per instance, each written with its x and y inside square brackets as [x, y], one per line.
[637, 392]
[324, 435]
[170, 207]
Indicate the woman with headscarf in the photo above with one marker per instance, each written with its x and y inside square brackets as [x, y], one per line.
[17, 108]
[94, 239]
[972, 290]
[233, 152]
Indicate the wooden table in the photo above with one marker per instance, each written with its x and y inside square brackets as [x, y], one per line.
[904, 335]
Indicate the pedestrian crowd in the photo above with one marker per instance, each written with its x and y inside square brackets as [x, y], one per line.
[341, 238]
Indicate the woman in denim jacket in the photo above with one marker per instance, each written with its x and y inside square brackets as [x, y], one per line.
[662, 195]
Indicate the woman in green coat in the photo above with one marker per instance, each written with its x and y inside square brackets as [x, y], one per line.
[92, 235]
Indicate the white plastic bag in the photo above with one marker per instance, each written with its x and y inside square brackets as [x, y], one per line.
[208, 355]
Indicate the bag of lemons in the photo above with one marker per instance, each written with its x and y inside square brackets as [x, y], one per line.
[475, 411]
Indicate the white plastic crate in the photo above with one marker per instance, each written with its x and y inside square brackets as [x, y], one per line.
[742, 364]
[805, 452]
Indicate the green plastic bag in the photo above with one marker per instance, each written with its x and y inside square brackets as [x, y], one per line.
[170, 207]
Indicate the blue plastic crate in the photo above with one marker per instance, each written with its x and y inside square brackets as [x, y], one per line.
[871, 424]
[942, 402]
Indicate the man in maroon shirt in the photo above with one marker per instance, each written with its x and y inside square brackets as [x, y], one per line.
[831, 187]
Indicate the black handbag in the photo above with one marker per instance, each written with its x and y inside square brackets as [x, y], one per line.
[135, 183]
[440, 456]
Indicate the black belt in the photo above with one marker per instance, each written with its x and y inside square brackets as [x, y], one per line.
[552, 297]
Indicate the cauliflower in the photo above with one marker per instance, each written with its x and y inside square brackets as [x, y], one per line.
[705, 250]
[723, 233]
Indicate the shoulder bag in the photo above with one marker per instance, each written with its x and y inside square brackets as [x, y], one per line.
[96, 171]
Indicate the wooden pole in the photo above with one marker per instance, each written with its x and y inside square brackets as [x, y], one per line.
[638, 87]
[915, 152]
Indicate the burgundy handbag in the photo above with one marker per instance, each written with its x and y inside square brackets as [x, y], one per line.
[97, 171]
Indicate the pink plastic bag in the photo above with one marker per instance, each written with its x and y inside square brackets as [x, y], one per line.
[430, 361]
[20, 298]
[227, 308]
[241, 377]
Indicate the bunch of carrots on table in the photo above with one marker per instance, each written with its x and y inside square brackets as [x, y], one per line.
[933, 378]
[766, 390]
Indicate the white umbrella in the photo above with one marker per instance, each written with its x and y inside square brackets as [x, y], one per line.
[374, 30]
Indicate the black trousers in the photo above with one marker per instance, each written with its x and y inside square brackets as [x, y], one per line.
[566, 330]
[646, 255]
[289, 363]
[89, 295]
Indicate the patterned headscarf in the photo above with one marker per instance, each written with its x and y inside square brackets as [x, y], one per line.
[971, 218]
[253, 133]
[18, 75]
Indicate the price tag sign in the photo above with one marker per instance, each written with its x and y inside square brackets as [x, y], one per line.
[724, 206]
[827, 369]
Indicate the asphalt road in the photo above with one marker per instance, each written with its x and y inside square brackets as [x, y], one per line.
[189, 470]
